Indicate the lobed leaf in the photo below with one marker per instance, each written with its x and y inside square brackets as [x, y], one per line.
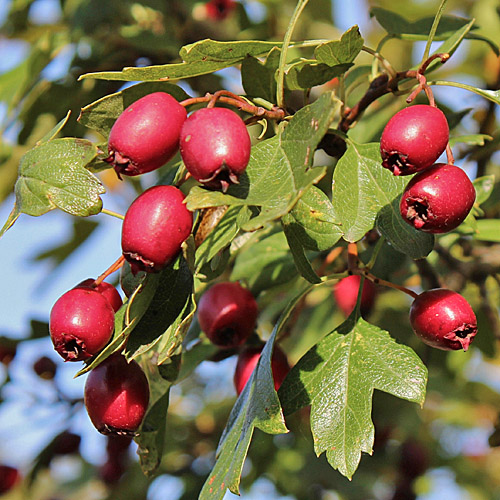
[337, 378]
[340, 51]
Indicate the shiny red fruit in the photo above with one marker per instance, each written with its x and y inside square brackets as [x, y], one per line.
[215, 146]
[146, 134]
[105, 289]
[345, 293]
[438, 199]
[247, 361]
[414, 139]
[443, 319]
[116, 396]
[81, 323]
[154, 228]
[227, 313]
[9, 476]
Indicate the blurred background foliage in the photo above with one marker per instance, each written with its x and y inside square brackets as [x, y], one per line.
[440, 451]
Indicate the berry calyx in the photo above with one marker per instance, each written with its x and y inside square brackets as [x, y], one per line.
[413, 139]
[443, 319]
[105, 289]
[146, 134]
[247, 361]
[346, 291]
[81, 323]
[227, 313]
[438, 199]
[215, 146]
[154, 228]
[116, 396]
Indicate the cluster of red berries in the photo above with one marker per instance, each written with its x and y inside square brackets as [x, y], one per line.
[227, 313]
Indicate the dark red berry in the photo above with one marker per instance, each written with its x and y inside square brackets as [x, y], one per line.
[81, 323]
[116, 396]
[117, 446]
[219, 9]
[247, 361]
[146, 135]
[414, 139]
[45, 368]
[443, 319]
[66, 443]
[9, 476]
[112, 470]
[105, 289]
[215, 146]
[8, 351]
[227, 313]
[438, 199]
[154, 228]
[413, 460]
[346, 294]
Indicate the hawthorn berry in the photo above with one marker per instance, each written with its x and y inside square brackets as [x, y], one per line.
[247, 361]
[146, 134]
[66, 443]
[437, 199]
[45, 368]
[227, 313]
[346, 291]
[81, 323]
[9, 476]
[413, 139]
[105, 289]
[218, 10]
[215, 146]
[154, 228]
[443, 319]
[116, 396]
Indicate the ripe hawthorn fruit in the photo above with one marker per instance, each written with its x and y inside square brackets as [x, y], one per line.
[443, 319]
[81, 323]
[66, 443]
[215, 146]
[227, 313]
[218, 10]
[413, 139]
[154, 228]
[9, 476]
[116, 396]
[45, 368]
[247, 361]
[105, 289]
[438, 199]
[146, 134]
[345, 293]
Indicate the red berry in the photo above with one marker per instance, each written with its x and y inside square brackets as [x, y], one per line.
[154, 228]
[7, 352]
[346, 294]
[81, 323]
[9, 476]
[443, 319]
[116, 396]
[146, 135]
[438, 199]
[66, 443]
[112, 470]
[247, 361]
[215, 146]
[227, 313]
[105, 289]
[413, 139]
[219, 9]
[45, 368]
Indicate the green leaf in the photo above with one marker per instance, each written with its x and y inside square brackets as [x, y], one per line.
[199, 58]
[265, 264]
[488, 230]
[337, 378]
[53, 133]
[279, 170]
[258, 78]
[491, 95]
[53, 175]
[302, 75]
[257, 406]
[340, 51]
[102, 114]
[170, 304]
[313, 221]
[484, 187]
[472, 140]
[365, 193]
